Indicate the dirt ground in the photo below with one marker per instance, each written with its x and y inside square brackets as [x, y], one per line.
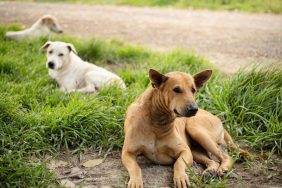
[228, 39]
[263, 173]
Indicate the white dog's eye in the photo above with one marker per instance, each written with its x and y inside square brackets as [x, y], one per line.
[60, 54]
[50, 52]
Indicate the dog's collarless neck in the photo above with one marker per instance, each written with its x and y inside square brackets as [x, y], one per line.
[159, 113]
[162, 131]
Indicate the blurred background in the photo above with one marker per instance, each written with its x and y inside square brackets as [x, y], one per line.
[230, 33]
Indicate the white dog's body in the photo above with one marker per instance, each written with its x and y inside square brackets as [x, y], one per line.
[74, 74]
[41, 27]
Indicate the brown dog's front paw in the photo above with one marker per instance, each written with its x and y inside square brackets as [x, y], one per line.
[135, 183]
[181, 181]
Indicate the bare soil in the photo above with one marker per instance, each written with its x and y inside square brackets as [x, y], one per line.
[263, 173]
[230, 40]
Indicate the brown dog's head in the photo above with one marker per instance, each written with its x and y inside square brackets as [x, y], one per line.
[178, 90]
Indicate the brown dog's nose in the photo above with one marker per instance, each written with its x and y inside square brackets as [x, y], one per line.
[191, 110]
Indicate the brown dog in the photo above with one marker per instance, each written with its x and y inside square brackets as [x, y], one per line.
[157, 126]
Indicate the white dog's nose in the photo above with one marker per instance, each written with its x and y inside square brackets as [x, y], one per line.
[51, 65]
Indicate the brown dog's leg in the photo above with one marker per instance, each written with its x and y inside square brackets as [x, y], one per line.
[210, 145]
[180, 177]
[232, 146]
[130, 163]
[200, 156]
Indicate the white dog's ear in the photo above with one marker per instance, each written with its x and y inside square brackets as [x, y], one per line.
[202, 77]
[71, 48]
[156, 78]
[47, 20]
[45, 46]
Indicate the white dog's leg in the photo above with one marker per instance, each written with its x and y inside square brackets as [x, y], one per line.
[15, 35]
[89, 87]
[62, 89]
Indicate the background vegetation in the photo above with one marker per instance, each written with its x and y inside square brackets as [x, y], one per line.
[36, 118]
[273, 6]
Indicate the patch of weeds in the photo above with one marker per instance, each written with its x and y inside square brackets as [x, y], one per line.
[249, 104]
[203, 181]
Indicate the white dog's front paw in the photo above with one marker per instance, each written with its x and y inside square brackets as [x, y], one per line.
[71, 91]
[62, 89]
[65, 90]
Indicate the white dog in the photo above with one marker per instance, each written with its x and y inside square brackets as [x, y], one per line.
[74, 74]
[41, 27]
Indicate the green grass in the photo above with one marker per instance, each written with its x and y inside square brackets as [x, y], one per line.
[36, 118]
[251, 106]
[273, 6]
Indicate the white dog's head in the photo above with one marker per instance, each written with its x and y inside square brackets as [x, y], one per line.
[58, 54]
[51, 23]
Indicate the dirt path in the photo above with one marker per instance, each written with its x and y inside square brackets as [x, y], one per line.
[229, 39]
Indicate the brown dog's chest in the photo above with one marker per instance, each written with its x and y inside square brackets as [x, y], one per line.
[163, 150]
[158, 154]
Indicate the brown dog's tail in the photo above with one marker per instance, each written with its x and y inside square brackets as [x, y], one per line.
[233, 147]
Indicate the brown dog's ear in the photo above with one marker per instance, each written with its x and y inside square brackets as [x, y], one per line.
[71, 48]
[156, 78]
[202, 77]
[45, 46]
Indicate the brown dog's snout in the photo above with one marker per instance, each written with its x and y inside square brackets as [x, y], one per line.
[191, 110]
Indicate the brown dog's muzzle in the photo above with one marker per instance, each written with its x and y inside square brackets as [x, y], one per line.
[188, 111]
[191, 110]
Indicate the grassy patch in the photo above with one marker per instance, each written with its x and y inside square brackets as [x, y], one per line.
[36, 118]
[250, 104]
[273, 6]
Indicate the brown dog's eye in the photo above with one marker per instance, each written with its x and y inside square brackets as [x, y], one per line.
[193, 90]
[177, 90]
[60, 54]
[50, 52]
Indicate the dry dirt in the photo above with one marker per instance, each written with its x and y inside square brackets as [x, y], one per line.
[263, 173]
[229, 39]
